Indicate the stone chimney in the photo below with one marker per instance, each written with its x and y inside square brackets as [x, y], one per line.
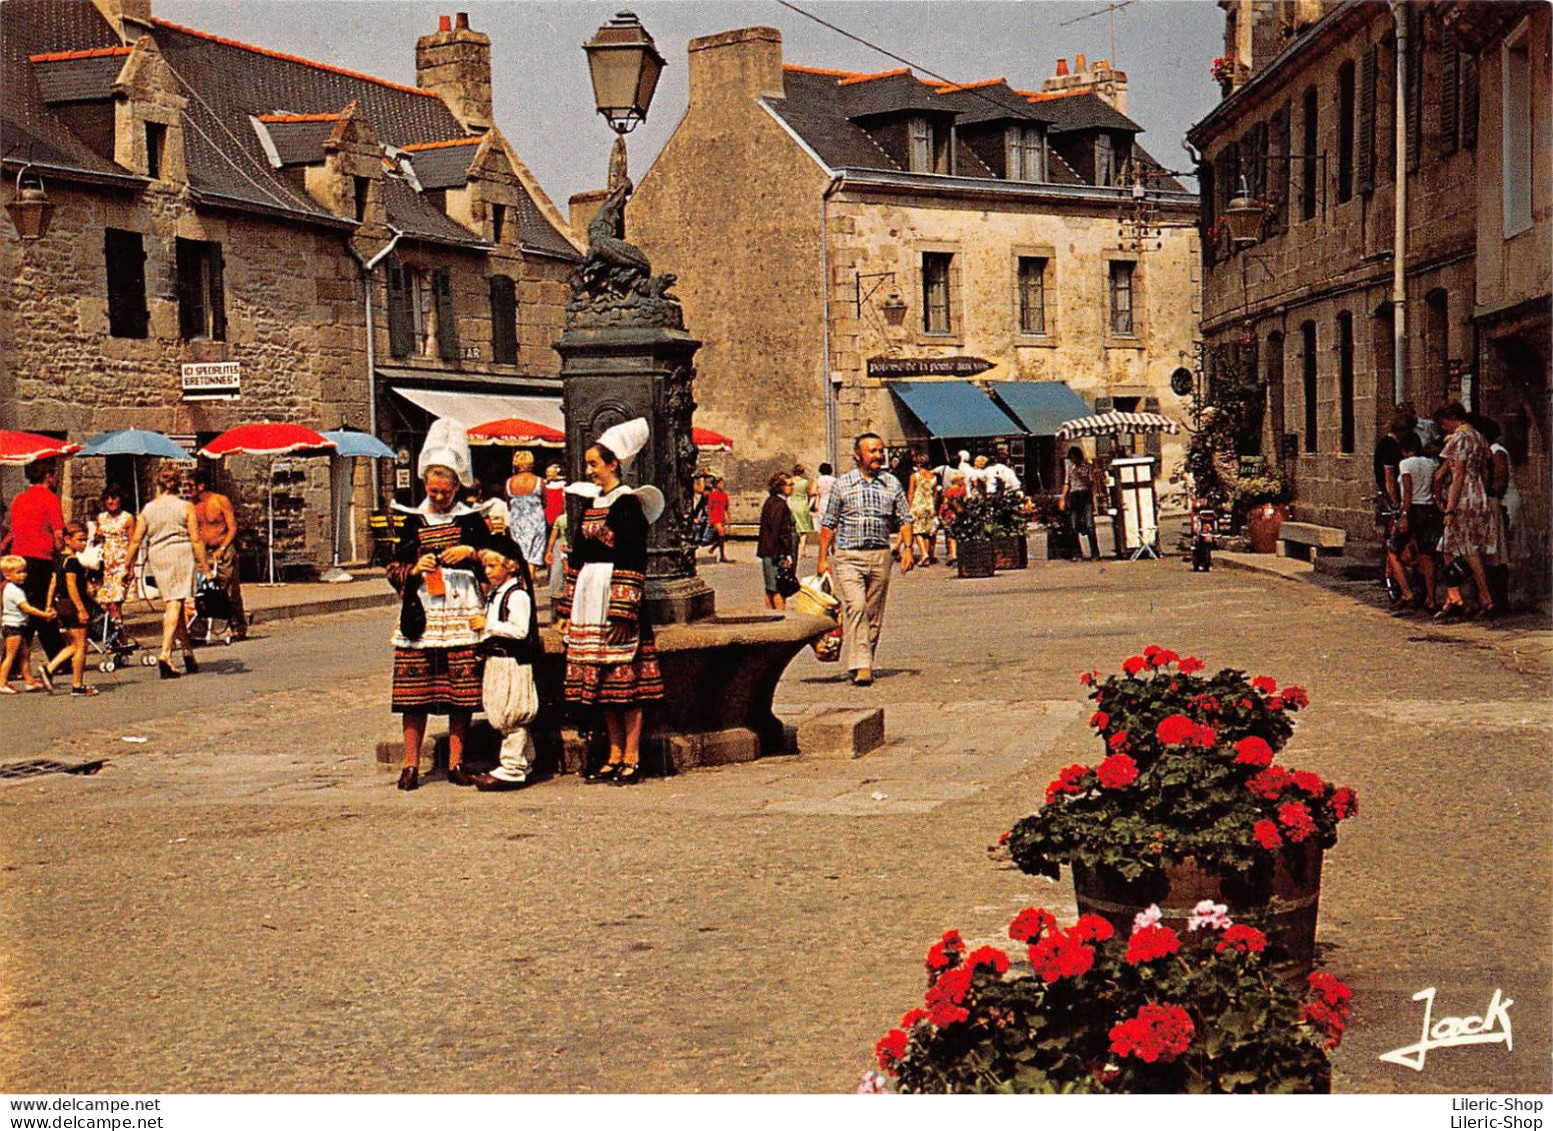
[744, 63]
[456, 63]
[117, 11]
[1099, 78]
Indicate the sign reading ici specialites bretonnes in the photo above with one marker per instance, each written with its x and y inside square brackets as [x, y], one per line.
[927, 366]
[212, 381]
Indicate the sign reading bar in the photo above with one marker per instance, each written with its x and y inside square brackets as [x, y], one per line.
[927, 366]
[212, 381]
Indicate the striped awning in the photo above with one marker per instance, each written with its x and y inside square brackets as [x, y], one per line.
[1117, 424]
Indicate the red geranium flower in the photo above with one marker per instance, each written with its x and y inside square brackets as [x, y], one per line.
[1099, 720]
[1061, 954]
[1163, 658]
[1247, 940]
[1151, 942]
[911, 1017]
[890, 1049]
[1066, 781]
[1296, 821]
[1191, 664]
[1266, 834]
[1275, 703]
[1173, 730]
[1004, 838]
[1309, 783]
[990, 956]
[1157, 1033]
[1270, 783]
[1329, 1022]
[1132, 665]
[1330, 990]
[1117, 772]
[1087, 679]
[1295, 698]
[1118, 741]
[1266, 684]
[944, 998]
[1254, 751]
[1151, 651]
[1031, 923]
[946, 952]
[1092, 928]
[1345, 803]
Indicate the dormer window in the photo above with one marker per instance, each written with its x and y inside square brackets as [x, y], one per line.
[156, 145]
[921, 134]
[363, 186]
[1105, 160]
[498, 222]
[1025, 153]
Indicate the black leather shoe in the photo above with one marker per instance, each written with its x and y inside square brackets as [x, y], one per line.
[165, 670]
[190, 664]
[457, 775]
[630, 774]
[602, 774]
[409, 778]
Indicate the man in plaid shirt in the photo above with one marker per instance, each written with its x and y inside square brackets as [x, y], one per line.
[866, 507]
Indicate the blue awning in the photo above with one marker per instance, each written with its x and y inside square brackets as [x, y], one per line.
[955, 410]
[1041, 406]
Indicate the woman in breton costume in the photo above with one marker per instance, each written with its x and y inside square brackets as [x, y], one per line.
[437, 668]
[611, 661]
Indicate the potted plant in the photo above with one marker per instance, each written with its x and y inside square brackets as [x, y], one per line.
[1261, 502]
[1188, 803]
[1090, 1008]
[1009, 522]
[974, 529]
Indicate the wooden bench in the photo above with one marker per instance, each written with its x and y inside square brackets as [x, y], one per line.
[1305, 540]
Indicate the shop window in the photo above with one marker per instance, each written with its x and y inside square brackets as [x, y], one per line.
[125, 256]
[201, 298]
[1032, 295]
[937, 317]
[504, 320]
[1121, 298]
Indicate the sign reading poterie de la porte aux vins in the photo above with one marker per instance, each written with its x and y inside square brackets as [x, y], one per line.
[212, 381]
[927, 366]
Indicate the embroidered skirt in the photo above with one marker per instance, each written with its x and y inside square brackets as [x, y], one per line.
[436, 680]
[630, 684]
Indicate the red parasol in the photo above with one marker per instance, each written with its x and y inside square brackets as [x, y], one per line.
[516, 431]
[17, 448]
[267, 440]
[709, 441]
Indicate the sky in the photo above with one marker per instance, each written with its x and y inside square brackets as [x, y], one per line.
[544, 103]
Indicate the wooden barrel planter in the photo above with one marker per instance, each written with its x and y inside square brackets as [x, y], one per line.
[1011, 552]
[977, 559]
[1279, 900]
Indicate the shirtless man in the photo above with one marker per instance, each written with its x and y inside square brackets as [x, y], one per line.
[218, 530]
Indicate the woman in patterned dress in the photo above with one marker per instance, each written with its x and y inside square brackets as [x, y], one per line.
[437, 669]
[1471, 529]
[924, 508]
[611, 660]
[526, 509]
[114, 527]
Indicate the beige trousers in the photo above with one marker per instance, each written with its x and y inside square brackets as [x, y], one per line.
[862, 581]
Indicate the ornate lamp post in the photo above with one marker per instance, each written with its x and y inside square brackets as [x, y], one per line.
[625, 65]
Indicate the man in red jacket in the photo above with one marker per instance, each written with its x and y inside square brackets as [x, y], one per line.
[37, 534]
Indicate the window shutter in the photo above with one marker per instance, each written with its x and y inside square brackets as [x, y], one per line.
[1369, 77]
[504, 321]
[1469, 101]
[125, 259]
[217, 266]
[191, 303]
[447, 324]
[1279, 171]
[401, 331]
[1450, 63]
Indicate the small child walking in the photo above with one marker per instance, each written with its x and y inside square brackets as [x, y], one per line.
[508, 638]
[14, 611]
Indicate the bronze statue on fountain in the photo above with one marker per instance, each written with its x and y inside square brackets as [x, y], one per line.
[615, 286]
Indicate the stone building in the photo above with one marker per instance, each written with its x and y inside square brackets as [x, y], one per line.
[855, 248]
[1316, 131]
[228, 225]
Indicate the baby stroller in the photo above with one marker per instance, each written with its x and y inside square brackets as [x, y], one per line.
[211, 604]
[108, 639]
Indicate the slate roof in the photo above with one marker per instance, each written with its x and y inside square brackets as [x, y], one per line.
[228, 84]
[827, 110]
[29, 129]
[443, 166]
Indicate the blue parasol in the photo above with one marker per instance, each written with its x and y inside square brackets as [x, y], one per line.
[134, 442]
[348, 444]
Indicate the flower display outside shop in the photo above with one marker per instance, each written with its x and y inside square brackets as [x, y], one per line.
[1189, 773]
[1200, 1011]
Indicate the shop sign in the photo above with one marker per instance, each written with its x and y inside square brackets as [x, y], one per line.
[927, 366]
[212, 381]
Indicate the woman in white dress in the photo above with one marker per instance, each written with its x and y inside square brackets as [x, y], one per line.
[169, 528]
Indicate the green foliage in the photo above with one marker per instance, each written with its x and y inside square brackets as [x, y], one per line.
[1231, 427]
[985, 517]
[1198, 793]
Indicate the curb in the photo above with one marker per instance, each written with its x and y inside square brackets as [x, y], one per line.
[293, 612]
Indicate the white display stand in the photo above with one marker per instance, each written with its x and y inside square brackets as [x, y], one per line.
[1139, 529]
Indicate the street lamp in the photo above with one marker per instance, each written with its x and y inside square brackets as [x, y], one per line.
[893, 306]
[30, 207]
[1243, 216]
[625, 65]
